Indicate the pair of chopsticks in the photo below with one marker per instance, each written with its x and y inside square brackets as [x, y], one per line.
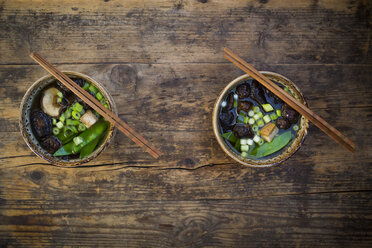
[299, 107]
[96, 105]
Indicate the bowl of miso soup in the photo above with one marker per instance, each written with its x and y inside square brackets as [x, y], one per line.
[61, 128]
[255, 127]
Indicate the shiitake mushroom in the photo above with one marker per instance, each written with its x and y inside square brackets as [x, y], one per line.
[289, 113]
[51, 143]
[243, 131]
[229, 102]
[48, 102]
[257, 92]
[245, 106]
[243, 90]
[283, 123]
[227, 120]
[41, 124]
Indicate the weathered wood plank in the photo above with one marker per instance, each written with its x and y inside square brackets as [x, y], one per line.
[286, 220]
[192, 31]
[163, 62]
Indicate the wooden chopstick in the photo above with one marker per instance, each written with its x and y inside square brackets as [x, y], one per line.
[299, 107]
[96, 105]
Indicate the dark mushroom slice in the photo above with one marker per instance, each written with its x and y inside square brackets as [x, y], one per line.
[51, 144]
[243, 131]
[63, 88]
[276, 99]
[283, 123]
[227, 120]
[289, 113]
[257, 92]
[79, 81]
[229, 102]
[41, 124]
[243, 90]
[245, 106]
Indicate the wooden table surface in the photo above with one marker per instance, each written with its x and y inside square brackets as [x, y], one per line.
[163, 63]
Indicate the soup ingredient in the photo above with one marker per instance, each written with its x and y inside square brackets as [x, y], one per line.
[93, 89]
[245, 106]
[64, 150]
[243, 131]
[275, 98]
[76, 115]
[59, 124]
[56, 130]
[256, 109]
[229, 102]
[278, 112]
[88, 149]
[244, 148]
[99, 96]
[256, 138]
[260, 123]
[273, 116]
[49, 102]
[227, 119]
[90, 134]
[51, 144]
[269, 131]
[243, 90]
[268, 148]
[41, 124]
[257, 92]
[230, 137]
[295, 127]
[267, 107]
[84, 139]
[79, 81]
[291, 114]
[283, 123]
[267, 118]
[81, 127]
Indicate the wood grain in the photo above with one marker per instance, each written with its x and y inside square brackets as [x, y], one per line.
[163, 63]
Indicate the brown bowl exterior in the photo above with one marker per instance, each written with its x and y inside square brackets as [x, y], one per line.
[287, 152]
[25, 127]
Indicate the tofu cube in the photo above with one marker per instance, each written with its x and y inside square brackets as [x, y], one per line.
[88, 119]
[269, 131]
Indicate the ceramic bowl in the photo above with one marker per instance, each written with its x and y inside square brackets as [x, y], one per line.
[32, 97]
[285, 153]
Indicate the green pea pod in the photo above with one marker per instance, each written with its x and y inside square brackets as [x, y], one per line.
[64, 150]
[88, 149]
[268, 148]
[90, 134]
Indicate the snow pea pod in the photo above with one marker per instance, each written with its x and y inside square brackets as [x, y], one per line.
[88, 149]
[274, 146]
[64, 150]
[90, 134]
